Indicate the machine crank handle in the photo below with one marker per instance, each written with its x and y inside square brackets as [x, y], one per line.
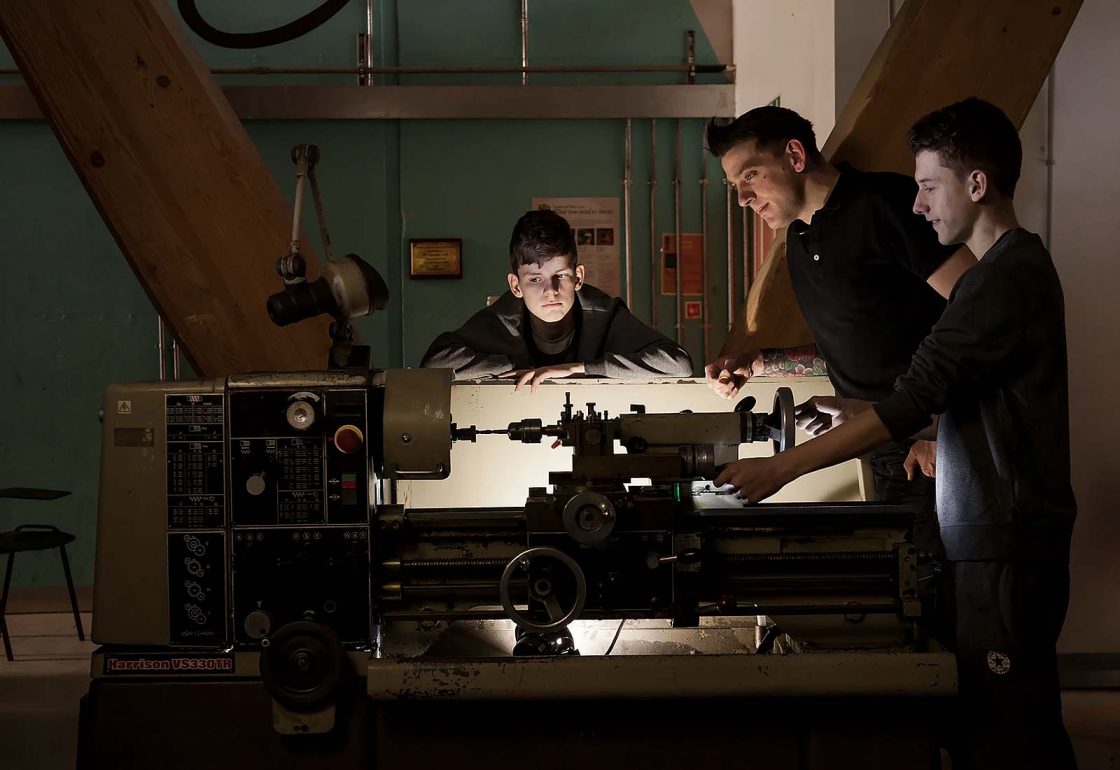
[777, 427]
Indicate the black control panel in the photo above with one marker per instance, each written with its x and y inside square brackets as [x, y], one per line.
[195, 426]
[196, 588]
[282, 575]
[298, 457]
[268, 505]
[299, 472]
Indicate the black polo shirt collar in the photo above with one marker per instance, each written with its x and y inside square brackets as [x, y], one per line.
[846, 186]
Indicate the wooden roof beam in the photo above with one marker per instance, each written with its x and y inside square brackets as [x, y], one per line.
[936, 52]
[172, 172]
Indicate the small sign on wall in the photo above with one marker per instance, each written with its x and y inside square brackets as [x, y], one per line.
[693, 309]
[435, 258]
[692, 276]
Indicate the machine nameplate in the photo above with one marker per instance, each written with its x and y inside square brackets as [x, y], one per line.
[160, 664]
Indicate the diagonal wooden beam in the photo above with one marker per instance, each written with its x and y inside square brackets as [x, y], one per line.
[935, 53]
[941, 51]
[172, 172]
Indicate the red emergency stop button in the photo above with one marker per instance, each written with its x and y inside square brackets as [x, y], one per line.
[348, 439]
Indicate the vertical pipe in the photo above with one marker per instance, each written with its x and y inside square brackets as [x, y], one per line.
[627, 183]
[365, 49]
[755, 258]
[730, 257]
[748, 261]
[162, 350]
[690, 55]
[174, 358]
[369, 40]
[395, 239]
[524, 42]
[704, 249]
[690, 77]
[654, 241]
[677, 227]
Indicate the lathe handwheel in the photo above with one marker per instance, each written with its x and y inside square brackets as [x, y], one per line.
[543, 590]
[302, 665]
[783, 427]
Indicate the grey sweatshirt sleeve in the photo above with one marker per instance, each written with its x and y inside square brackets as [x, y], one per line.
[449, 351]
[981, 331]
[632, 350]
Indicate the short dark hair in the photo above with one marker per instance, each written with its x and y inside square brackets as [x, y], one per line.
[539, 236]
[972, 134]
[772, 127]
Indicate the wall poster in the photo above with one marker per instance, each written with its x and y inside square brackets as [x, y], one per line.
[595, 227]
[692, 276]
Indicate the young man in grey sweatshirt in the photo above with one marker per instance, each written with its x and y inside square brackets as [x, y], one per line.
[550, 324]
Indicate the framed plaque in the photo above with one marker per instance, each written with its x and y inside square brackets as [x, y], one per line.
[435, 258]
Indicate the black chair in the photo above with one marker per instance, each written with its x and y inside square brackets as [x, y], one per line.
[34, 537]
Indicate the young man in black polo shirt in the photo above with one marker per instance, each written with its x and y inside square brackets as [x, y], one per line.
[550, 324]
[994, 369]
[870, 277]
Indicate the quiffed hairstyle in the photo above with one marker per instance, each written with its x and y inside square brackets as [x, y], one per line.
[539, 236]
[772, 127]
[973, 134]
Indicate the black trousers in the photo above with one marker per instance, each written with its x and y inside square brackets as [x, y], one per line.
[1007, 619]
[891, 486]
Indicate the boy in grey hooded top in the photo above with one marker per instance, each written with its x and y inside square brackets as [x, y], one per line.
[551, 324]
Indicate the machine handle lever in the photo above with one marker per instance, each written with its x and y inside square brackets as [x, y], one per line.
[687, 556]
[420, 474]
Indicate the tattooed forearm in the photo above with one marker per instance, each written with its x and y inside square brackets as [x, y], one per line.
[803, 361]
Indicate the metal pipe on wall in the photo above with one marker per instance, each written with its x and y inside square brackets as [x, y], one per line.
[755, 259]
[162, 350]
[454, 70]
[730, 256]
[627, 183]
[704, 250]
[524, 42]
[690, 57]
[748, 257]
[369, 42]
[677, 228]
[460, 70]
[365, 49]
[654, 245]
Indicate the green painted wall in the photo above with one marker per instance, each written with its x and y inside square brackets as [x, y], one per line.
[75, 319]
